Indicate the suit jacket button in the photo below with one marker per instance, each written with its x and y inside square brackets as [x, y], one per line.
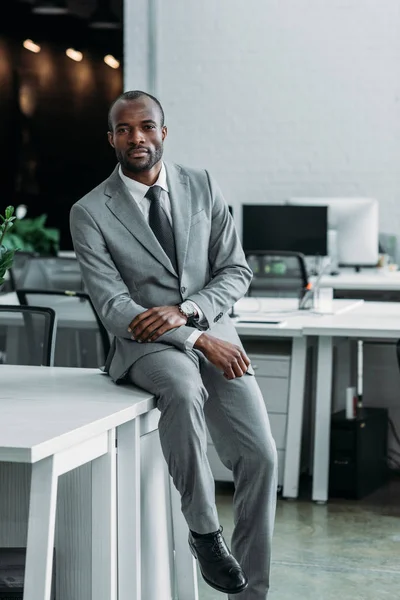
[183, 290]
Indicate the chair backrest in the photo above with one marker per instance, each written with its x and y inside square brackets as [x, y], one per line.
[82, 339]
[19, 267]
[277, 274]
[27, 335]
[50, 273]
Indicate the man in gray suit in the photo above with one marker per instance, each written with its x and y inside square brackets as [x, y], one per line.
[163, 264]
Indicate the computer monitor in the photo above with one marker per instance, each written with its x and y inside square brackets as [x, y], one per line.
[285, 228]
[353, 225]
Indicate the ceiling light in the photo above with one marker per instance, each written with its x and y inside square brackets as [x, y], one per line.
[111, 61]
[29, 45]
[20, 211]
[103, 17]
[74, 54]
[50, 7]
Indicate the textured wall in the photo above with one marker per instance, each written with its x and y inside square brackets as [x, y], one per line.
[278, 97]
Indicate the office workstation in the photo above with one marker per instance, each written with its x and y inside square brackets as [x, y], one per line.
[283, 323]
[292, 111]
[285, 245]
[289, 330]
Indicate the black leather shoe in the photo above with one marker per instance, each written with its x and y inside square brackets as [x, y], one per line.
[218, 567]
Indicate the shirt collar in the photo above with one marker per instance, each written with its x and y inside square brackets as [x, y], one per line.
[139, 190]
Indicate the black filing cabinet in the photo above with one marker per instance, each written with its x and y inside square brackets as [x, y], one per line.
[358, 453]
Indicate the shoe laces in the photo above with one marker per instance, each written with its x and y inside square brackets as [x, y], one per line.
[219, 547]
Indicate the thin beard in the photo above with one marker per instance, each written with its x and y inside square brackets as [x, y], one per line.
[155, 159]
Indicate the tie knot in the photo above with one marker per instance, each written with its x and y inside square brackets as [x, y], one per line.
[154, 192]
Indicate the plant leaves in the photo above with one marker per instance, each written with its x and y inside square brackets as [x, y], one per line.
[6, 260]
[9, 212]
[32, 235]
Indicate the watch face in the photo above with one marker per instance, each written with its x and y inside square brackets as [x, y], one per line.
[187, 310]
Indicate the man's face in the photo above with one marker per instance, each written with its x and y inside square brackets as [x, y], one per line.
[137, 135]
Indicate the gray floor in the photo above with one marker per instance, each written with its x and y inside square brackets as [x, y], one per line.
[345, 550]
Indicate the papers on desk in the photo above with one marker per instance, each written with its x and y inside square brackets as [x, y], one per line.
[252, 304]
[261, 320]
[284, 308]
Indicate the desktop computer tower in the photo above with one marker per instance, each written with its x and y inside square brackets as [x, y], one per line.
[358, 453]
[12, 574]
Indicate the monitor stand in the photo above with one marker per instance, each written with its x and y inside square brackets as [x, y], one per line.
[333, 251]
[232, 313]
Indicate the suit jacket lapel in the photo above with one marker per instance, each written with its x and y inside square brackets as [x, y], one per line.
[125, 209]
[179, 195]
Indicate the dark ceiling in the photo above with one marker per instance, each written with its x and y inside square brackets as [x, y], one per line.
[79, 8]
[73, 28]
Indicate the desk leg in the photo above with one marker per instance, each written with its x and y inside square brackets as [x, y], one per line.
[322, 420]
[104, 524]
[185, 565]
[129, 540]
[295, 418]
[42, 516]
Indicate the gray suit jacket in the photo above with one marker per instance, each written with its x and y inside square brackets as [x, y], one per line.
[126, 270]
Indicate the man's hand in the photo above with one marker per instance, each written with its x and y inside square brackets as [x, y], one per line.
[150, 324]
[227, 357]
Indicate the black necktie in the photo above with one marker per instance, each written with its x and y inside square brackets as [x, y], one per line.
[160, 224]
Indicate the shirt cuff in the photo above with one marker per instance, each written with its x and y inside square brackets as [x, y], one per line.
[192, 339]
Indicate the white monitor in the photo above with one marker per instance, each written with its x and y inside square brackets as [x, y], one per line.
[353, 229]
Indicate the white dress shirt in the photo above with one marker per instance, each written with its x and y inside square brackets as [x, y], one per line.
[138, 192]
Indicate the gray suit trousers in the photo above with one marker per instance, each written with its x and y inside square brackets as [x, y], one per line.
[191, 393]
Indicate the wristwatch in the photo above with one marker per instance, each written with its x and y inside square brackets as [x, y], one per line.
[187, 309]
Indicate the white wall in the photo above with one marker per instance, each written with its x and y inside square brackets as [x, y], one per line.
[277, 97]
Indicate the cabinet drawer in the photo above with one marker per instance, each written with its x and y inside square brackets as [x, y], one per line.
[270, 366]
[221, 473]
[278, 428]
[275, 391]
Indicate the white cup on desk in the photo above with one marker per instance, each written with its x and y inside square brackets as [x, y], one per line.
[323, 300]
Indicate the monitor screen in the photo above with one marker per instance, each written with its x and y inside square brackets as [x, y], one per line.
[285, 228]
[353, 226]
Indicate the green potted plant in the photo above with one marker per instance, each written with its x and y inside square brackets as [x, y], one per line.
[31, 235]
[6, 254]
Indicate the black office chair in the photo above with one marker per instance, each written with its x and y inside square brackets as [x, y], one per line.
[48, 273]
[27, 335]
[398, 353]
[82, 339]
[277, 274]
[19, 266]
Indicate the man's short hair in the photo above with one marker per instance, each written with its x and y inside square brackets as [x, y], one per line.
[134, 95]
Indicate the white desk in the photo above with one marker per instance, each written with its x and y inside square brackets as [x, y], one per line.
[293, 329]
[66, 253]
[57, 419]
[298, 323]
[366, 279]
[9, 298]
[372, 320]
